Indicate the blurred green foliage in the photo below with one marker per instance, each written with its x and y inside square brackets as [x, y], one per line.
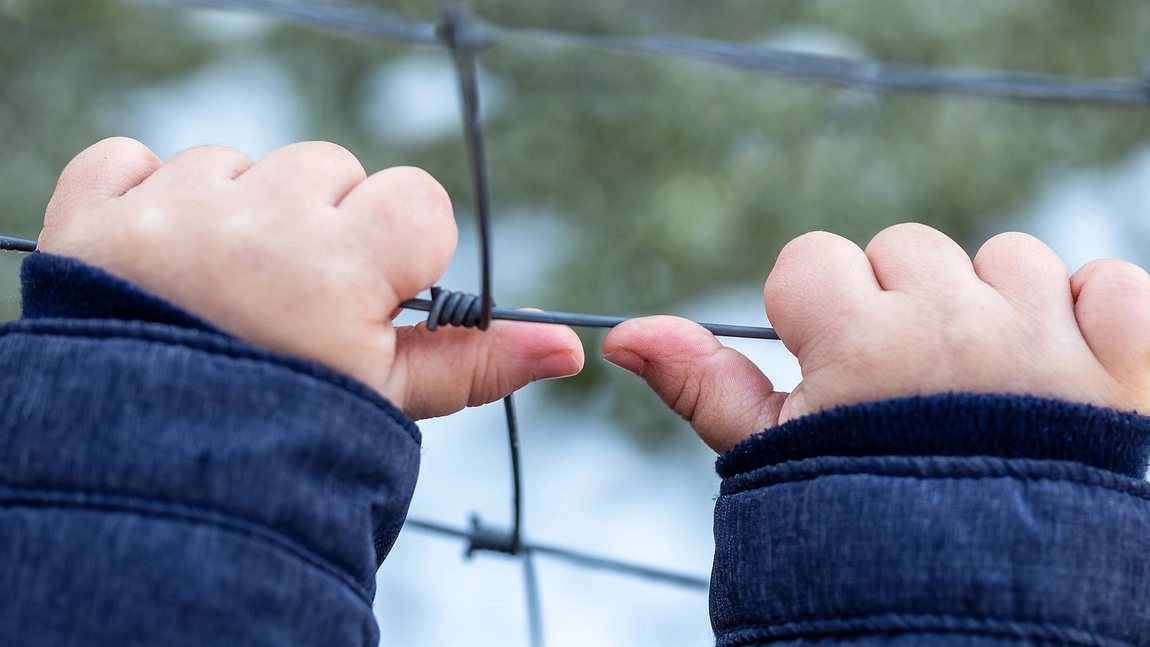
[676, 177]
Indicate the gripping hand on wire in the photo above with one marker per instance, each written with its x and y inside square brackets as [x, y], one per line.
[302, 253]
[912, 314]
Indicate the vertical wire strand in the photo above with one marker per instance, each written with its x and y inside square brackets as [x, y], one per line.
[516, 474]
[453, 30]
[456, 27]
[530, 581]
[534, 606]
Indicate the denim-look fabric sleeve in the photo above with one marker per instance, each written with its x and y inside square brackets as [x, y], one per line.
[164, 484]
[955, 519]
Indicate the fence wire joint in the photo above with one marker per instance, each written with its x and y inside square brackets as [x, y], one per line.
[490, 539]
[461, 32]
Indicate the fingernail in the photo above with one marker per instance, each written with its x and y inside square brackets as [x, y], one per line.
[556, 365]
[626, 360]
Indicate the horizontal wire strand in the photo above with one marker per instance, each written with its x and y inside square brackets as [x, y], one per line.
[579, 320]
[575, 557]
[873, 75]
[10, 244]
[374, 22]
[866, 74]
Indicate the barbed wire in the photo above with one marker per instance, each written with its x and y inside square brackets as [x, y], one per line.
[464, 36]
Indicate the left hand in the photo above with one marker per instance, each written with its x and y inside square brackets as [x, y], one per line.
[301, 253]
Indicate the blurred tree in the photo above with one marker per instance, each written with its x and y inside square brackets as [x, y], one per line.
[677, 177]
[65, 68]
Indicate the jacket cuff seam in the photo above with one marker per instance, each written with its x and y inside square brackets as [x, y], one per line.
[910, 623]
[956, 424]
[931, 468]
[192, 514]
[211, 344]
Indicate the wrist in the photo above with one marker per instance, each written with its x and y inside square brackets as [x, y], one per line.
[956, 424]
[60, 287]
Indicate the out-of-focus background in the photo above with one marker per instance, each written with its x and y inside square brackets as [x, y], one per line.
[622, 184]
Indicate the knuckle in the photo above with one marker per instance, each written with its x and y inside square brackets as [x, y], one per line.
[1120, 279]
[118, 147]
[792, 267]
[212, 149]
[422, 187]
[897, 239]
[803, 246]
[1011, 244]
[212, 153]
[325, 155]
[1125, 271]
[319, 149]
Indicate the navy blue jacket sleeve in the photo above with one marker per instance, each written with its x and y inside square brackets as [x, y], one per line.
[955, 519]
[163, 483]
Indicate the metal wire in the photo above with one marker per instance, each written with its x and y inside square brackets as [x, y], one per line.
[873, 75]
[7, 243]
[446, 308]
[568, 555]
[530, 581]
[371, 22]
[534, 606]
[516, 473]
[864, 74]
[463, 37]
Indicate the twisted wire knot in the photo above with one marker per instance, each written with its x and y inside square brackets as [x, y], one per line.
[495, 540]
[460, 309]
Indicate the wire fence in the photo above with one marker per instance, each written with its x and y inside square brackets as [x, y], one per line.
[465, 37]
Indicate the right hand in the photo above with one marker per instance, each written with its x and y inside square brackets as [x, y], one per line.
[910, 315]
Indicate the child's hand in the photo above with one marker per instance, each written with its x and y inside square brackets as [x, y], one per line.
[302, 253]
[911, 315]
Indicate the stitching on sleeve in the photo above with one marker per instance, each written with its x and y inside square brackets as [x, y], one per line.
[906, 623]
[215, 345]
[936, 468]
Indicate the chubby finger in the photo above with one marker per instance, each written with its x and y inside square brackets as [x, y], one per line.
[108, 169]
[396, 205]
[316, 172]
[819, 280]
[724, 396]
[440, 372]
[1112, 306]
[914, 258]
[1024, 270]
[205, 164]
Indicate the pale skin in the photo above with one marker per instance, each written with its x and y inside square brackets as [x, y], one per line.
[302, 253]
[305, 254]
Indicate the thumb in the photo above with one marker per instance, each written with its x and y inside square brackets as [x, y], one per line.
[724, 396]
[442, 371]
